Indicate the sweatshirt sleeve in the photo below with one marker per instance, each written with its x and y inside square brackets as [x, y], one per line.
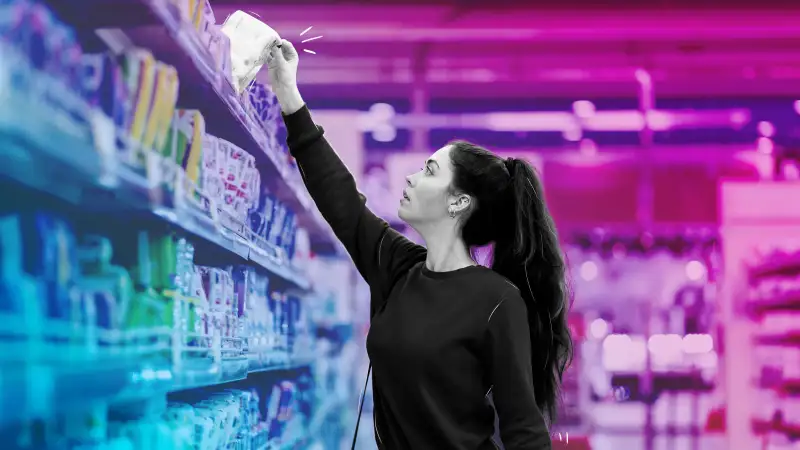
[380, 253]
[522, 425]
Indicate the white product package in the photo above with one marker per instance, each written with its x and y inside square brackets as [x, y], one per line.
[251, 40]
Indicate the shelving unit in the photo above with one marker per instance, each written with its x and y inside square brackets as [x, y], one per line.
[156, 25]
[59, 162]
[760, 303]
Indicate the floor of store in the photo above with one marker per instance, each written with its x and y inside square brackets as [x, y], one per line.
[620, 426]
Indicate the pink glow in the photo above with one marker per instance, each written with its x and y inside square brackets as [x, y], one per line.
[588, 147]
[695, 270]
[589, 270]
[533, 121]
[583, 108]
[698, 343]
[765, 145]
[598, 329]
[643, 77]
[615, 120]
[766, 129]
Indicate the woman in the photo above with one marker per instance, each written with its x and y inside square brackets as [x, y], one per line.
[445, 332]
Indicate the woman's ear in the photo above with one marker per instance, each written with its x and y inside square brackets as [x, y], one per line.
[461, 203]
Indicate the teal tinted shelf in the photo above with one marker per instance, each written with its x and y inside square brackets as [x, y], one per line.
[39, 391]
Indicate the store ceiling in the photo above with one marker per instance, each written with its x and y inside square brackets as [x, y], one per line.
[462, 48]
[465, 49]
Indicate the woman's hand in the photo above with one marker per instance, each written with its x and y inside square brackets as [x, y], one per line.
[282, 65]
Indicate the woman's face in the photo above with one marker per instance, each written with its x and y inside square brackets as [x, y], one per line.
[428, 195]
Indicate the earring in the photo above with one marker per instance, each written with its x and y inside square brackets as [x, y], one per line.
[452, 213]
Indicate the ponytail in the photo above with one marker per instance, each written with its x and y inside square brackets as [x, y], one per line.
[512, 214]
[527, 252]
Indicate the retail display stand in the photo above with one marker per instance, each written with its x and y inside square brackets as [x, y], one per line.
[155, 239]
[760, 300]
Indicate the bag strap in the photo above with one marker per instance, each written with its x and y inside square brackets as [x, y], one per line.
[361, 407]
[369, 370]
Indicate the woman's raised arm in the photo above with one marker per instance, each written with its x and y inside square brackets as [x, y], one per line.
[380, 253]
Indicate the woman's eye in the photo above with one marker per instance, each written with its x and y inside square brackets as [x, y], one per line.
[428, 171]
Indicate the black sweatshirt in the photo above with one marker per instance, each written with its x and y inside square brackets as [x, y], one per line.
[439, 342]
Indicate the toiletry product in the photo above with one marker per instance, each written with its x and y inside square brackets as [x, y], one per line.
[185, 144]
[205, 22]
[51, 256]
[210, 181]
[16, 27]
[220, 49]
[164, 258]
[108, 285]
[214, 283]
[139, 69]
[42, 51]
[241, 278]
[229, 299]
[108, 95]
[148, 309]
[278, 220]
[21, 292]
[201, 14]
[165, 96]
[202, 311]
[186, 9]
[251, 40]
[287, 236]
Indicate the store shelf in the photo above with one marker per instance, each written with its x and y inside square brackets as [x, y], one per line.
[155, 25]
[790, 430]
[52, 367]
[149, 320]
[49, 158]
[789, 339]
[762, 266]
[790, 387]
[788, 265]
[786, 302]
[40, 391]
[299, 437]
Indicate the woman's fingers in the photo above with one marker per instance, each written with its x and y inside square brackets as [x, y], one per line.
[287, 50]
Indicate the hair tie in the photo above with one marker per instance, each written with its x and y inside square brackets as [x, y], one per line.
[510, 163]
[508, 189]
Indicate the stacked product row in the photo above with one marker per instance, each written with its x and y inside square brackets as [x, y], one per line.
[116, 296]
[127, 107]
[774, 293]
[228, 419]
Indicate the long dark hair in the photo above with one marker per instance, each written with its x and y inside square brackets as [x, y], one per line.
[510, 212]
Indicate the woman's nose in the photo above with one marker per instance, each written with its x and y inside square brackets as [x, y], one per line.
[408, 180]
